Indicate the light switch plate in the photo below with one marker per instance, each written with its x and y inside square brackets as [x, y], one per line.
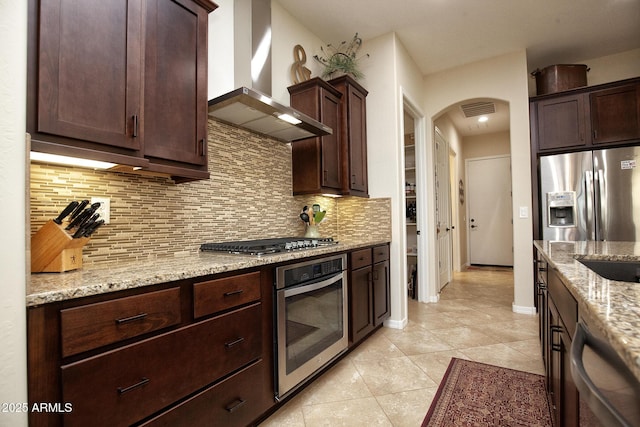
[105, 208]
[524, 212]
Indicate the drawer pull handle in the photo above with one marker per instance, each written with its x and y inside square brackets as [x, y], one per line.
[131, 318]
[229, 294]
[237, 404]
[123, 390]
[235, 342]
[554, 346]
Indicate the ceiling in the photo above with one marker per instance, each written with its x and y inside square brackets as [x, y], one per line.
[442, 34]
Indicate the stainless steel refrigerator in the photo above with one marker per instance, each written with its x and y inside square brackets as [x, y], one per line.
[591, 195]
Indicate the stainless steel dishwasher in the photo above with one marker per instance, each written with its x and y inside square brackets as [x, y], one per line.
[605, 383]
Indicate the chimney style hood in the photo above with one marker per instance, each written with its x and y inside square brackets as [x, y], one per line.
[251, 106]
[253, 110]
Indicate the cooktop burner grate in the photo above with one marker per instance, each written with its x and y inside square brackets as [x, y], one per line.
[267, 246]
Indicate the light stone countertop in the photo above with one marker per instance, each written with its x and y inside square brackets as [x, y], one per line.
[614, 306]
[98, 279]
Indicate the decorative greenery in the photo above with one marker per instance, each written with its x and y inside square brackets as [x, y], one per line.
[342, 59]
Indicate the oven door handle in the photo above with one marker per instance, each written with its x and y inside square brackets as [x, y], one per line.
[308, 287]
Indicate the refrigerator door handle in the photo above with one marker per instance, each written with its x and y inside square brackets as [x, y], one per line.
[589, 205]
[600, 201]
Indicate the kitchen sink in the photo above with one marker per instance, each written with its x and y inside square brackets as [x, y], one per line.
[624, 271]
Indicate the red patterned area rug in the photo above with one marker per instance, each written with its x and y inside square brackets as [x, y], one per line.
[477, 394]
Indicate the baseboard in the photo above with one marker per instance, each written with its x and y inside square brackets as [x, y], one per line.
[396, 324]
[523, 309]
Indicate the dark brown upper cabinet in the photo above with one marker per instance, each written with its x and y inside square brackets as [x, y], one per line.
[175, 97]
[353, 130]
[615, 114]
[121, 81]
[562, 122]
[317, 163]
[336, 163]
[585, 118]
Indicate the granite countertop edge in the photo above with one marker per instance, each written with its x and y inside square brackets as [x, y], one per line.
[613, 306]
[97, 279]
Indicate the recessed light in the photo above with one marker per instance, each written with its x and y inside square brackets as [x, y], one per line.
[483, 119]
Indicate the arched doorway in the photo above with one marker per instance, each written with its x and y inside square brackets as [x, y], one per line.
[466, 138]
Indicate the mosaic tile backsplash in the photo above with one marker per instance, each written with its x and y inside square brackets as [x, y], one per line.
[247, 197]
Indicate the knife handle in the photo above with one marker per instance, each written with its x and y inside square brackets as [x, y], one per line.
[93, 227]
[79, 208]
[70, 208]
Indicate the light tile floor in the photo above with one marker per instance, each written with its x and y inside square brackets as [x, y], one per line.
[391, 378]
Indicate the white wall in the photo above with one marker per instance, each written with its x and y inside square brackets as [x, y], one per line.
[506, 78]
[287, 33]
[221, 54]
[13, 49]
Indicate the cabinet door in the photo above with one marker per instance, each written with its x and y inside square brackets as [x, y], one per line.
[562, 122]
[615, 114]
[570, 397]
[360, 300]
[175, 106]
[89, 68]
[356, 116]
[317, 162]
[330, 144]
[381, 303]
[554, 370]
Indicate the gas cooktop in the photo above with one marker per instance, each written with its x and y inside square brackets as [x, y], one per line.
[268, 246]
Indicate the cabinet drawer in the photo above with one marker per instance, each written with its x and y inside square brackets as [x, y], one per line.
[94, 325]
[360, 258]
[236, 401]
[380, 253]
[222, 294]
[564, 301]
[123, 386]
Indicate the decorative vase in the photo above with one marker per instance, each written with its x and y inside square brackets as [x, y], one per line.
[312, 231]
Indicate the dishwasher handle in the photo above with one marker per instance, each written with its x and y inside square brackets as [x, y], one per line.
[589, 392]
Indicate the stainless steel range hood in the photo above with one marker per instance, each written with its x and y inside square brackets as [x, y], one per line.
[253, 110]
[251, 106]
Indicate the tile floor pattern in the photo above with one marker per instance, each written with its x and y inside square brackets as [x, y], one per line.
[391, 378]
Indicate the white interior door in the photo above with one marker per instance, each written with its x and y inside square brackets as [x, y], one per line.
[490, 222]
[443, 209]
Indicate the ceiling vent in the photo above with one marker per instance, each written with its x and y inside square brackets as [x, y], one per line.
[478, 109]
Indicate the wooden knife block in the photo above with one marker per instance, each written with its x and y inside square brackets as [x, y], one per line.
[54, 250]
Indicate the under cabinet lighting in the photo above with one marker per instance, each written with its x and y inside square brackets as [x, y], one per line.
[289, 119]
[332, 195]
[37, 156]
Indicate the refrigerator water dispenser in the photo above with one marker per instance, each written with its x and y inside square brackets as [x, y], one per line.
[562, 209]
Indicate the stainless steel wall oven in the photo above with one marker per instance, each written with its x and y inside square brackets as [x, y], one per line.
[311, 319]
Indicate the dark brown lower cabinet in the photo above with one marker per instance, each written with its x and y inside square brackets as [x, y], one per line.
[230, 403]
[195, 352]
[369, 302]
[212, 364]
[559, 318]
